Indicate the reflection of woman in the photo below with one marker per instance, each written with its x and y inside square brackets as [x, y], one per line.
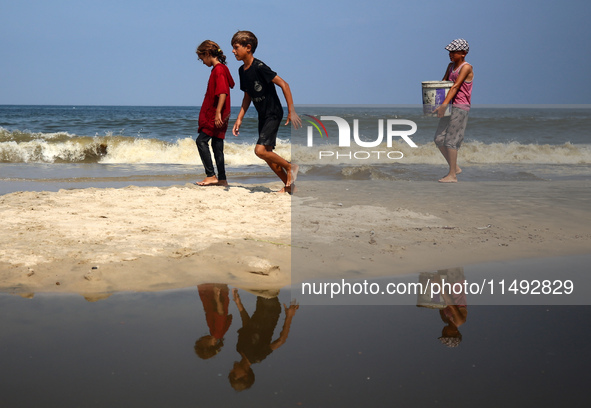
[455, 312]
[454, 316]
[256, 335]
[215, 298]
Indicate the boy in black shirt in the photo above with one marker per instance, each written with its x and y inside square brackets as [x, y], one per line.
[258, 82]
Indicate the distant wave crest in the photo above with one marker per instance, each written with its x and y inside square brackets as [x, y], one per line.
[61, 147]
[27, 147]
[470, 152]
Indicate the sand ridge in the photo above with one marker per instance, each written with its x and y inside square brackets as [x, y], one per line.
[94, 241]
[111, 225]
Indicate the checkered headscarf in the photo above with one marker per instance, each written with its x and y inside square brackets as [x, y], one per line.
[450, 341]
[458, 45]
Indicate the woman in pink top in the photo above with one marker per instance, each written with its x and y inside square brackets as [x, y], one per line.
[450, 131]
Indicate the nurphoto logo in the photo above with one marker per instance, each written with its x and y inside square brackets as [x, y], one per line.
[393, 128]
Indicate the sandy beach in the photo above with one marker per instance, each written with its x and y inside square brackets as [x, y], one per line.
[143, 238]
[96, 241]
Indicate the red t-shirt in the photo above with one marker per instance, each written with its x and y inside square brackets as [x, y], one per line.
[218, 323]
[220, 82]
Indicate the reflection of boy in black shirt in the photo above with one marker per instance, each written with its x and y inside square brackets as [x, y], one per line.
[258, 82]
[255, 337]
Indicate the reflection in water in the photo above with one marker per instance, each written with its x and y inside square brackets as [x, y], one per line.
[447, 293]
[136, 349]
[215, 299]
[256, 335]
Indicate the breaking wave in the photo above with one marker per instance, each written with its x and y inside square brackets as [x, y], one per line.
[62, 147]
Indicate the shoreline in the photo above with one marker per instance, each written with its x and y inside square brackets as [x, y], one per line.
[158, 238]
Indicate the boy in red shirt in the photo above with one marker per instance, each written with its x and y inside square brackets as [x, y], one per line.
[214, 113]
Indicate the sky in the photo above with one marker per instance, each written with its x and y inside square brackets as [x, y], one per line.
[142, 52]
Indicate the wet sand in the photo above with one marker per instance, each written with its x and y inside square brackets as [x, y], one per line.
[93, 241]
[381, 228]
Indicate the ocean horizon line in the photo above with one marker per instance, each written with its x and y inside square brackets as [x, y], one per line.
[310, 105]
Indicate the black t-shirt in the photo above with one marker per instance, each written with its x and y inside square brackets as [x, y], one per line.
[255, 337]
[256, 81]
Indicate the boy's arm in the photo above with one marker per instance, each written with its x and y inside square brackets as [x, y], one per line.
[243, 313]
[292, 116]
[464, 72]
[289, 314]
[245, 104]
[219, 121]
[459, 315]
[446, 75]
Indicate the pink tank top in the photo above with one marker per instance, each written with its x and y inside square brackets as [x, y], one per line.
[464, 96]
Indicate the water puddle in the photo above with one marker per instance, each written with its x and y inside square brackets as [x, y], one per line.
[215, 345]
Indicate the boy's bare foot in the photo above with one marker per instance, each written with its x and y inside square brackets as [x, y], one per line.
[209, 181]
[223, 183]
[288, 189]
[448, 179]
[292, 175]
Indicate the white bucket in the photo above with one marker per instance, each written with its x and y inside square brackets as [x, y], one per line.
[434, 93]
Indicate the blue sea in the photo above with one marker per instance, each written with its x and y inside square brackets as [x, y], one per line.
[52, 147]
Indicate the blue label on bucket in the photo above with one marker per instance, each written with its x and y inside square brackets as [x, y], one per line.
[434, 93]
[439, 96]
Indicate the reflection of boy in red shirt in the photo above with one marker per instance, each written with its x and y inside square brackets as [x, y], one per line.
[215, 298]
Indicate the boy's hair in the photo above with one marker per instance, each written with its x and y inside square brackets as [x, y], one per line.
[213, 49]
[204, 350]
[245, 38]
[244, 383]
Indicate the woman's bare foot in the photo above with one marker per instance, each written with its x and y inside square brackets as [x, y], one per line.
[449, 179]
[209, 181]
[458, 171]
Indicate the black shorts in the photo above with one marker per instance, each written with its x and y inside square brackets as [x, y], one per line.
[268, 129]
